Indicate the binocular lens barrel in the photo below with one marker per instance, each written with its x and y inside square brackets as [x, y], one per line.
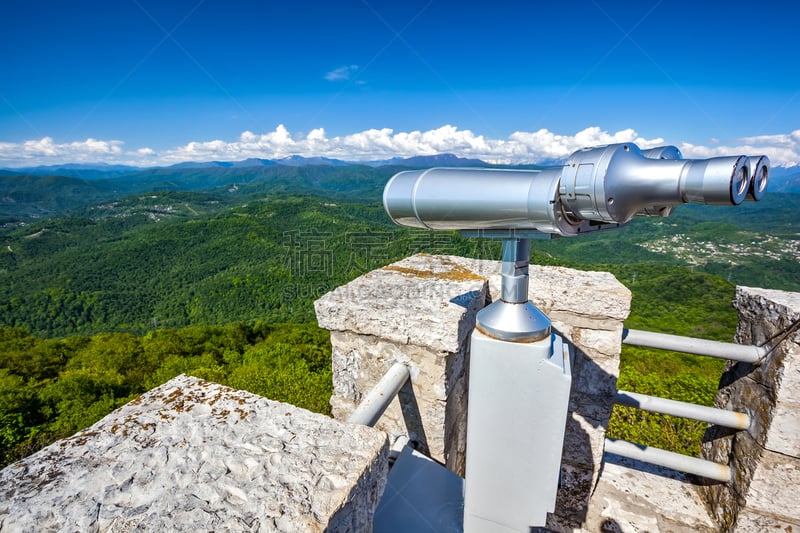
[718, 181]
[759, 168]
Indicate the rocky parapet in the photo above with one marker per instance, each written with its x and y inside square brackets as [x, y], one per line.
[196, 456]
[765, 461]
[419, 311]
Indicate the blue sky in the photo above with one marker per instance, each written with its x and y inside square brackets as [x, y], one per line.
[152, 82]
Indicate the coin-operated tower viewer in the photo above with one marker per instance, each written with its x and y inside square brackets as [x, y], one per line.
[519, 375]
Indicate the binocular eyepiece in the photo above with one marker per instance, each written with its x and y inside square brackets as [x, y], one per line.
[597, 188]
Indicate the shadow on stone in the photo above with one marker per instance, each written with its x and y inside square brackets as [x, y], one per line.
[422, 496]
[641, 466]
[610, 526]
[590, 407]
[713, 433]
[412, 418]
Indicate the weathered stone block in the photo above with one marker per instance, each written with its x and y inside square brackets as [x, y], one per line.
[425, 300]
[767, 391]
[585, 299]
[783, 434]
[773, 489]
[595, 376]
[784, 431]
[751, 522]
[724, 498]
[431, 412]
[634, 496]
[196, 456]
[419, 311]
[599, 343]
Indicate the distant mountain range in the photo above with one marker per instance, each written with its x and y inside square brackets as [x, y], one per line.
[95, 171]
[203, 174]
[443, 160]
[784, 180]
[91, 171]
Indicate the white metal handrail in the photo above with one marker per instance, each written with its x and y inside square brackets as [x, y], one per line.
[376, 401]
[675, 461]
[676, 343]
[710, 415]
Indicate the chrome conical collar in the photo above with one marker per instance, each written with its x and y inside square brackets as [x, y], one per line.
[515, 322]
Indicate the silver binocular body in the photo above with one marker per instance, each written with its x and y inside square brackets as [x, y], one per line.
[597, 188]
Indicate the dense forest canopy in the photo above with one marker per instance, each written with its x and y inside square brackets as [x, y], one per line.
[102, 300]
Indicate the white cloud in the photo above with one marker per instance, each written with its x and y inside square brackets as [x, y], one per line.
[782, 150]
[385, 143]
[341, 73]
[546, 145]
[47, 151]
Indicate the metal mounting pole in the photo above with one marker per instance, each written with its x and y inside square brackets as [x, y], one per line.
[519, 383]
[513, 317]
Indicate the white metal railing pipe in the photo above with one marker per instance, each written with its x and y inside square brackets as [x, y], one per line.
[378, 399]
[676, 343]
[710, 415]
[675, 461]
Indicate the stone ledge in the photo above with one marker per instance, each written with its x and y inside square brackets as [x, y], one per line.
[773, 488]
[778, 303]
[634, 496]
[420, 297]
[578, 297]
[751, 522]
[394, 304]
[196, 456]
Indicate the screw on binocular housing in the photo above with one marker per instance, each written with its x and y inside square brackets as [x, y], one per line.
[519, 376]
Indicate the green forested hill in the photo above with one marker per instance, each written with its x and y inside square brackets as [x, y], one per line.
[188, 281]
[26, 197]
[51, 388]
[755, 244]
[174, 259]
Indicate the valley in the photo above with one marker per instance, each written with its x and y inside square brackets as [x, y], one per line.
[105, 295]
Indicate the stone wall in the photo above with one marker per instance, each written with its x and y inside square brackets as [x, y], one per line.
[421, 311]
[196, 456]
[765, 460]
